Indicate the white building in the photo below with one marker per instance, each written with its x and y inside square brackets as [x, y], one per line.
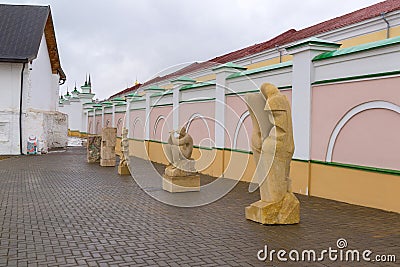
[30, 75]
[73, 104]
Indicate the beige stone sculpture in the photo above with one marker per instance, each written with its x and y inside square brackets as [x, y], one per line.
[180, 175]
[93, 148]
[123, 168]
[273, 146]
[108, 142]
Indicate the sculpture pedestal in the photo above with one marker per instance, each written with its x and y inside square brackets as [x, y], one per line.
[123, 170]
[175, 184]
[286, 211]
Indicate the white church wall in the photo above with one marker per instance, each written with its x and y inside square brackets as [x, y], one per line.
[10, 88]
[41, 94]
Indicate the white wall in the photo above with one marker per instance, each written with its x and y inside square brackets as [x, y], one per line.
[43, 91]
[10, 87]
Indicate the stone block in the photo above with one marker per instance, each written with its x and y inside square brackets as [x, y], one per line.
[93, 148]
[107, 152]
[286, 211]
[109, 136]
[107, 162]
[175, 184]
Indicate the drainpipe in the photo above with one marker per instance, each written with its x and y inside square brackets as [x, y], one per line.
[20, 107]
[387, 25]
[280, 53]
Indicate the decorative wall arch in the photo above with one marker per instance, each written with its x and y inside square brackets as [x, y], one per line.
[238, 126]
[90, 127]
[119, 123]
[195, 116]
[136, 121]
[160, 118]
[98, 126]
[350, 114]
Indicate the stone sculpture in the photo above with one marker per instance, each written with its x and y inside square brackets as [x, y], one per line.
[273, 146]
[108, 142]
[180, 175]
[123, 168]
[93, 148]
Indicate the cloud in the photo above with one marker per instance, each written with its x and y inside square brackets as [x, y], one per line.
[117, 41]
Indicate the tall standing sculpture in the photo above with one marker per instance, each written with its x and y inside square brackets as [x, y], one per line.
[180, 175]
[273, 146]
[123, 168]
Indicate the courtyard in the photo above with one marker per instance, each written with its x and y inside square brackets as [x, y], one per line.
[58, 210]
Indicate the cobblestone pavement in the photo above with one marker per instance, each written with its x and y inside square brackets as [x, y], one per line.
[57, 210]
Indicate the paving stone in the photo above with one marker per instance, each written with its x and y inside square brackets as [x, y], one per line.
[58, 210]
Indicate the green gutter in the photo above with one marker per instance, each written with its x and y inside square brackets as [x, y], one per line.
[169, 92]
[367, 76]
[197, 100]
[196, 85]
[358, 48]
[260, 70]
[162, 105]
[256, 91]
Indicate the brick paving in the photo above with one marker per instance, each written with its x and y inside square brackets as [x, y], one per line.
[57, 210]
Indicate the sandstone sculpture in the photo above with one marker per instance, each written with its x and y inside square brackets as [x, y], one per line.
[123, 163]
[180, 175]
[273, 147]
[93, 148]
[108, 142]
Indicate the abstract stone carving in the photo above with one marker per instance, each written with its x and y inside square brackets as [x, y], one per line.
[108, 142]
[123, 163]
[180, 175]
[273, 146]
[93, 148]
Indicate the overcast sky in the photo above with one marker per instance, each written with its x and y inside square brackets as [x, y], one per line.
[117, 41]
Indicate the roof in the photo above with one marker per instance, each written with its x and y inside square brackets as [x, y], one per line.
[126, 91]
[288, 37]
[21, 31]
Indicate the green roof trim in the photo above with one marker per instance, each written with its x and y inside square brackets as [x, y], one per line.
[366, 76]
[203, 147]
[358, 48]
[183, 79]
[196, 85]
[168, 92]
[136, 99]
[154, 88]
[287, 87]
[162, 105]
[314, 41]
[120, 104]
[262, 69]
[108, 103]
[230, 65]
[238, 150]
[118, 99]
[135, 94]
[158, 142]
[97, 106]
[197, 100]
[358, 167]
